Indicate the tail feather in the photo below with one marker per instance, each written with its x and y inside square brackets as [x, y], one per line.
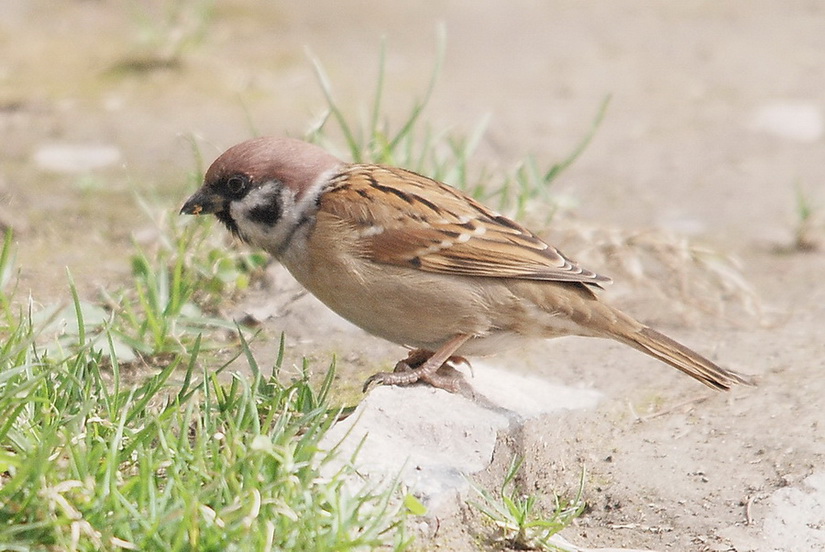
[660, 346]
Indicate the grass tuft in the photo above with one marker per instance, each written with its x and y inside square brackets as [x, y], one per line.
[805, 230]
[519, 522]
[182, 459]
[438, 153]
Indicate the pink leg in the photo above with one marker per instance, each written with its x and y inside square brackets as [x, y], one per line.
[421, 365]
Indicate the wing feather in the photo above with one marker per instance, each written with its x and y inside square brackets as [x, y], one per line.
[407, 219]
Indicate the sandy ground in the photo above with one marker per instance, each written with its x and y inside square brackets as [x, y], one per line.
[715, 121]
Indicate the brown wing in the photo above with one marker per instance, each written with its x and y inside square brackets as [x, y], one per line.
[410, 220]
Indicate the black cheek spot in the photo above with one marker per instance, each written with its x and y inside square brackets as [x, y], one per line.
[266, 214]
[416, 262]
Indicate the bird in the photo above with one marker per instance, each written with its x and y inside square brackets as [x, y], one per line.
[417, 262]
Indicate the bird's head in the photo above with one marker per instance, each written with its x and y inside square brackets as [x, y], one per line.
[259, 189]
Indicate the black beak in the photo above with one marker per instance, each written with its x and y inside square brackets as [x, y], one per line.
[203, 202]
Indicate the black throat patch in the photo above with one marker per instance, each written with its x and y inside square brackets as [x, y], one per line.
[228, 221]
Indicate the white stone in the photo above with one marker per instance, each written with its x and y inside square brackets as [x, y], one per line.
[801, 121]
[797, 518]
[433, 439]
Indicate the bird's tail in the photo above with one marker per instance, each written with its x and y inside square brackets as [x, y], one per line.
[660, 346]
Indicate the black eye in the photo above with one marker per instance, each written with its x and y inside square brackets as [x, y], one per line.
[236, 185]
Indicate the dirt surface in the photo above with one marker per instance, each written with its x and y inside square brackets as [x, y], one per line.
[715, 122]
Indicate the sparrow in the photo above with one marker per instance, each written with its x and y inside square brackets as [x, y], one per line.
[417, 262]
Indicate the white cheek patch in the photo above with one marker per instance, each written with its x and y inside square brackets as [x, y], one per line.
[272, 215]
[266, 216]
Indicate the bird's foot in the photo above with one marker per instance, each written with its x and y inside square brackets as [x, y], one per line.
[415, 368]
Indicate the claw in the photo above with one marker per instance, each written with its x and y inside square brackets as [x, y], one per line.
[422, 365]
[392, 378]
